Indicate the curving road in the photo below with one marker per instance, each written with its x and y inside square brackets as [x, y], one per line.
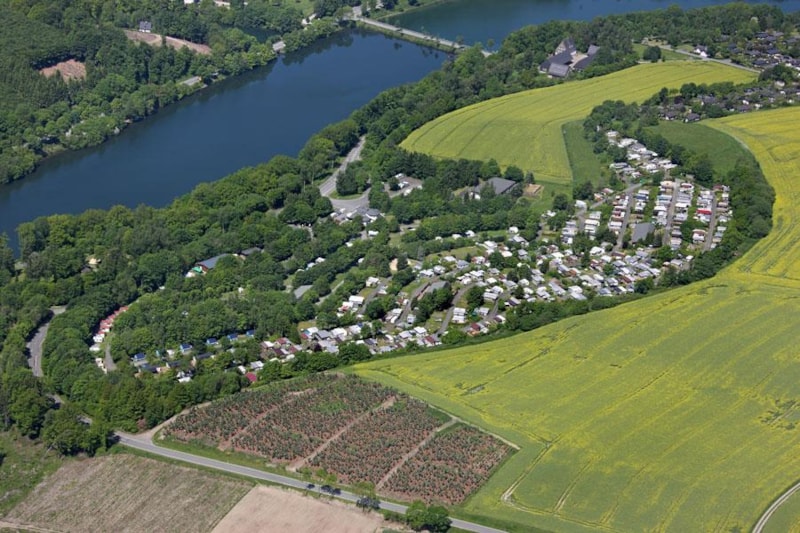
[762, 522]
[36, 343]
[144, 444]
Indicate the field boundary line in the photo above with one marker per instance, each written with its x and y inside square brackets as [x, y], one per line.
[303, 461]
[26, 527]
[228, 444]
[403, 460]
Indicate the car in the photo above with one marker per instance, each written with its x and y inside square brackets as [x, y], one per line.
[310, 486]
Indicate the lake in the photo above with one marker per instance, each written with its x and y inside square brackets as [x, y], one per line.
[238, 122]
[480, 20]
[273, 110]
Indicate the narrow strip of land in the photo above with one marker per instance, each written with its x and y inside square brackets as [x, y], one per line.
[411, 33]
[146, 445]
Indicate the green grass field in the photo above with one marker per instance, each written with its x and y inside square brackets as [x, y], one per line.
[672, 413]
[787, 518]
[666, 55]
[723, 150]
[23, 465]
[584, 164]
[524, 129]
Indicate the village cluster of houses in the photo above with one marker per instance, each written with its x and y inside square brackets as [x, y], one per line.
[766, 49]
[676, 198]
[742, 100]
[173, 360]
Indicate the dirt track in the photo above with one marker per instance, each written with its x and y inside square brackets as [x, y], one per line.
[154, 39]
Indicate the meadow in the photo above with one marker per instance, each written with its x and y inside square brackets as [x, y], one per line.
[673, 413]
[723, 150]
[524, 129]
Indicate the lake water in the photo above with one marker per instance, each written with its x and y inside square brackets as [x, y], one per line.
[273, 110]
[239, 122]
[480, 20]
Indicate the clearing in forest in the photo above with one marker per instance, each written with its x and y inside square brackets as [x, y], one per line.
[69, 70]
[678, 412]
[154, 39]
[525, 129]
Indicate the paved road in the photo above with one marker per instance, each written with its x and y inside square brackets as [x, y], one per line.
[411, 33]
[692, 55]
[328, 187]
[109, 361]
[762, 522]
[712, 226]
[146, 445]
[671, 210]
[35, 344]
[625, 220]
[448, 317]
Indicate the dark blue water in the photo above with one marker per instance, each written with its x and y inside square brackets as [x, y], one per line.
[274, 110]
[480, 20]
[240, 122]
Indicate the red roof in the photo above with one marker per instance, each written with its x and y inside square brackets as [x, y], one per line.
[251, 377]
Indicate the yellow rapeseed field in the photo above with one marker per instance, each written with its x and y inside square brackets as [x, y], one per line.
[524, 129]
[673, 413]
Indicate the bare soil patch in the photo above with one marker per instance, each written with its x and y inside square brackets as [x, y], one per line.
[532, 190]
[70, 70]
[274, 509]
[154, 39]
[126, 493]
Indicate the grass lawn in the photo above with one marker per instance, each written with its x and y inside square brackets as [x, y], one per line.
[723, 150]
[666, 55]
[525, 129]
[671, 413]
[584, 164]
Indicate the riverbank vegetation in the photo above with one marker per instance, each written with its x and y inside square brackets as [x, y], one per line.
[119, 81]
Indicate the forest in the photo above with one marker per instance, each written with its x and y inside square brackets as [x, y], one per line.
[124, 81]
[141, 255]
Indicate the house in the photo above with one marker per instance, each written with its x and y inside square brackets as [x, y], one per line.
[145, 26]
[567, 59]
[501, 185]
[185, 347]
[203, 267]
